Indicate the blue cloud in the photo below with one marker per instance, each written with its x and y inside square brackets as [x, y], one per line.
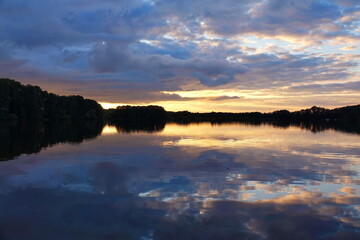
[164, 45]
[166, 48]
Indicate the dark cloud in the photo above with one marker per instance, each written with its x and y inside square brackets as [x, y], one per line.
[273, 17]
[70, 56]
[327, 88]
[221, 98]
[46, 23]
[166, 45]
[171, 48]
[106, 57]
[347, 3]
[110, 57]
[8, 62]
[131, 96]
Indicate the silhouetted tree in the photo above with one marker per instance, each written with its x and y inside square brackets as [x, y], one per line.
[22, 102]
[145, 114]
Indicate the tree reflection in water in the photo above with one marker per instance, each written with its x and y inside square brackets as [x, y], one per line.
[197, 181]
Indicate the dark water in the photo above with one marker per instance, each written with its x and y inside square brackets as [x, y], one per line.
[201, 181]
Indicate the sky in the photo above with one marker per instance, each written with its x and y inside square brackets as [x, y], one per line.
[196, 55]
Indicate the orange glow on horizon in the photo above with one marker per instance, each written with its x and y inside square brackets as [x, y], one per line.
[109, 130]
[107, 105]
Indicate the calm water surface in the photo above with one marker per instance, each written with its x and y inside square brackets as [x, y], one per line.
[199, 181]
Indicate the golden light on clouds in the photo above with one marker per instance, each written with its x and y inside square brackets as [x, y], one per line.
[292, 98]
[216, 52]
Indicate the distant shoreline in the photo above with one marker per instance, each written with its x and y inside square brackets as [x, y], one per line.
[26, 102]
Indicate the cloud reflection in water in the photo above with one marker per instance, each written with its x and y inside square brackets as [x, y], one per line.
[225, 182]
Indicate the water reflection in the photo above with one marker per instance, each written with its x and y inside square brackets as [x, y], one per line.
[313, 126]
[129, 127]
[17, 138]
[198, 181]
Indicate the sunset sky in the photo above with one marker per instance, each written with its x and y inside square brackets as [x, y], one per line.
[197, 55]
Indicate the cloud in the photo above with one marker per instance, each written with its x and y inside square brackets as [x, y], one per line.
[349, 48]
[107, 57]
[8, 62]
[221, 98]
[348, 190]
[81, 22]
[111, 57]
[125, 96]
[178, 45]
[328, 88]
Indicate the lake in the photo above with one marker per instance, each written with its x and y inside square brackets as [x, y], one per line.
[195, 181]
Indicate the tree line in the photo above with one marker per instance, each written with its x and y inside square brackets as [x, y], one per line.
[315, 114]
[20, 102]
[28, 102]
[45, 119]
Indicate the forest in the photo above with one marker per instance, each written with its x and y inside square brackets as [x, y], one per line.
[32, 119]
[316, 114]
[20, 102]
